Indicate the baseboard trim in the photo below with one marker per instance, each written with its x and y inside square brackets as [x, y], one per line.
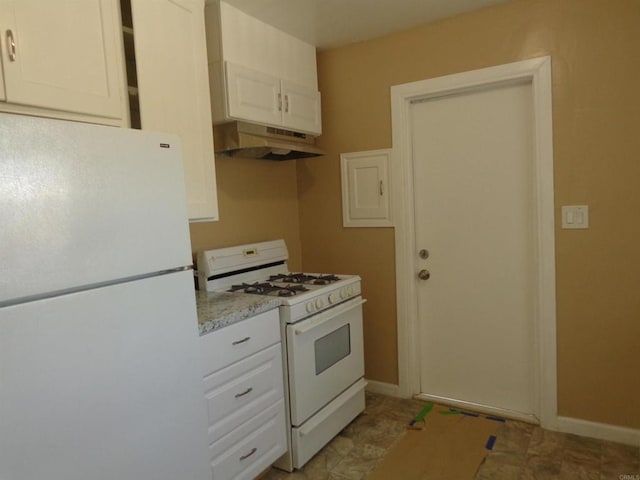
[383, 388]
[585, 428]
[603, 431]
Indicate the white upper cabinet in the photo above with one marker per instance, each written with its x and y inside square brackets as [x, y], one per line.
[260, 97]
[301, 108]
[63, 58]
[252, 95]
[173, 89]
[259, 73]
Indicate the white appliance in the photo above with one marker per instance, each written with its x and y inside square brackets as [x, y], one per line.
[321, 327]
[99, 360]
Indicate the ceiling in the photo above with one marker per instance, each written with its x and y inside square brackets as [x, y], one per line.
[332, 23]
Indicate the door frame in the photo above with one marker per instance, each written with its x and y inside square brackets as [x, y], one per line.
[538, 71]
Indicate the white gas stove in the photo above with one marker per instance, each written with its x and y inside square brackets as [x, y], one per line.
[261, 269]
[321, 329]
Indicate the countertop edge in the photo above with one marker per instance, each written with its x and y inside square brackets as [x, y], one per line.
[220, 309]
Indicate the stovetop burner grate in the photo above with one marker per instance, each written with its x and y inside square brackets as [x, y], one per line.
[304, 278]
[266, 288]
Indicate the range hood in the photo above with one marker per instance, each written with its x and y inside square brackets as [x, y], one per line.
[249, 140]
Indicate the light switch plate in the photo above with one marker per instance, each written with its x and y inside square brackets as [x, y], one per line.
[575, 216]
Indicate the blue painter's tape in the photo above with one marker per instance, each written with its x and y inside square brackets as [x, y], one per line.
[496, 419]
[490, 442]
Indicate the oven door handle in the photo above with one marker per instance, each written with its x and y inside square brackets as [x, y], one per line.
[330, 314]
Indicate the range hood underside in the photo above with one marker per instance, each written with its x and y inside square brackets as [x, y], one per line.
[240, 139]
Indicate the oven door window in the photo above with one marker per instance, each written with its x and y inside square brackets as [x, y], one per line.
[332, 348]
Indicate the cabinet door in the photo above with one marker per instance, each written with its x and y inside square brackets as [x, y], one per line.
[67, 55]
[301, 108]
[365, 192]
[253, 95]
[173, 83]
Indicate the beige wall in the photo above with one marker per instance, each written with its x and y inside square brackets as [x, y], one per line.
[258, 201]
[594, 46]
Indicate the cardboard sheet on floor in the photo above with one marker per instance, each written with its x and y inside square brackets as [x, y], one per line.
[450, 447]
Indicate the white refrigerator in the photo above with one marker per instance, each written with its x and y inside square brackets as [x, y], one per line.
[99, 366]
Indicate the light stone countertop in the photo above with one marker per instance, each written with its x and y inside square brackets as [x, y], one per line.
[219, 309]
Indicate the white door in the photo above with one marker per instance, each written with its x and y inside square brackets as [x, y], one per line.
[474, 203]
[65, 57]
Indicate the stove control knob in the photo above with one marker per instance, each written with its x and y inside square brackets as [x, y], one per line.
[310, 307]
[333, 297]
[319, 303]
[343, 293]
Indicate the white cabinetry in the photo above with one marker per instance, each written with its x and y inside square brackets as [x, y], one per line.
[252, 95]
[259, 73]
[63, 59]
[365, 192]
[301, 108]
[243, 385]
[259, 97]
[173, 89]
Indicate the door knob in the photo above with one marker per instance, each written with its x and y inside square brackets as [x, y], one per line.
[424, 274]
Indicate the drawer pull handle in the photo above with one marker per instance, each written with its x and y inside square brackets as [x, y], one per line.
[238, 342]
[253, 450]
[247, 391]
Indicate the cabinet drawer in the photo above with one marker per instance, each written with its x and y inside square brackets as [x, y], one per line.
[234, 342]
[252, 447]
[243, 390]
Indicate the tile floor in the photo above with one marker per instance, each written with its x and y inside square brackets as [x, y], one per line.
[521, 452]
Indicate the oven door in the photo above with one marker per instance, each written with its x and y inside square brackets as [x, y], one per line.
[325, 357]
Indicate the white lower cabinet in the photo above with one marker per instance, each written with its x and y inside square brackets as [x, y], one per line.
[243, 388]
[232, 343]
[252, 447]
